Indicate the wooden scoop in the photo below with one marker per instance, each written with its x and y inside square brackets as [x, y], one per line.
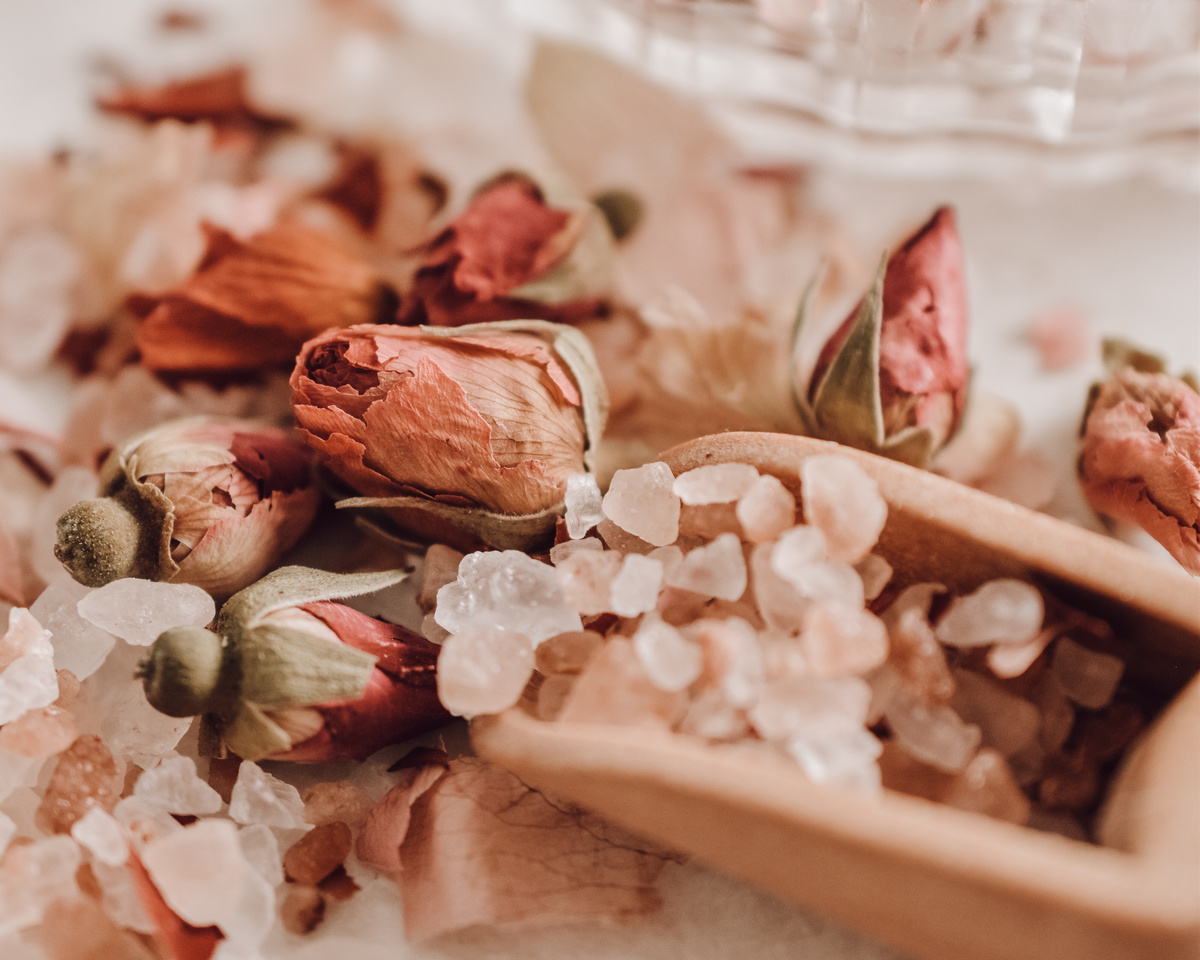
[929, 879]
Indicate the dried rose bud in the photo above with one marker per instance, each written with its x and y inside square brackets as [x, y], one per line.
[252, 305]
[288, 675]
[893, 378]
[464, 435]
[509, 255]
[203, 501]
[1141, 451]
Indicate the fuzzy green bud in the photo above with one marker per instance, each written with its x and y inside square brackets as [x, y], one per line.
[182, 674]
[98, 541]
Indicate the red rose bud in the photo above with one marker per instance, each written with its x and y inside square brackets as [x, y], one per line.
[251, 305]
[511, 255]
[1141, 451]
[288, 675]
[203, 501]
[893, 378]
[464, 435]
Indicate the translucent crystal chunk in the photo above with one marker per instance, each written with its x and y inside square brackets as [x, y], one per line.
[643, 502]
[717, 569]
[174, 786]
[811, 707]
[1000, 611]
[841, 499]
[259, 797]
[79, 646]
[261, 850]
[671, 661]
[584, 504]
[483, 670]
[933, 733]
[715, 483]
[636, 585]
[198, 870]
[137, 611]
[103, 835]
[27, 676]
[766, 510]
[847, 760]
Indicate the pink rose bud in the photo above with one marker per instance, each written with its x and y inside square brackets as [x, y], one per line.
[1141, 451]
[464, 435]
[512, 255]
[288, 675]
[893, 378]
[203, 501]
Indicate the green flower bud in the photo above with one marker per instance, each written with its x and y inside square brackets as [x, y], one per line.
[182, 674]
[99, 541]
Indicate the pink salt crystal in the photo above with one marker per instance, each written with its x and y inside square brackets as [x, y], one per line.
[635, 587]
[642, 502]
[39, 733]
[986, 785]
[615, 538]
[811, 707]
[713, 717]
[933, 734]
[875, 573]
[916, 656]
[586, 579]
[584, 504]
[846, 760]
[483, 670]
[798, 547]
[1007, 660]
[614, 688]
[715, 483]
[844, 503]
[561, 551]
[334, 800]
[839, 640]
[103, 836]
[1009, 723]
[85, 776]
[715, 570]
[766, 510]
[198, 871]
[670, 557]
[828, 582]
[780, 604]
[732, 658]
[441, 568]
[1088, 677]
[1062, 337]
[567, 652]
[1000, 611]
[671, 661]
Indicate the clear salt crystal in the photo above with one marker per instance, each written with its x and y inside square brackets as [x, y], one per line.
[1000, 611]
[174, 785]
[829, 582]
[259, 797]
[29, 681]
[137, 611]
[848, 760]
[642, 502]
[261, 850]
[766, 510]
[483, 670]
[636, 585]
[103, 835]
[432, 631]
[671, 661]
[560, 551]
[715, 483]
[934, 734]
[717, 569]
[875, 573]
[586, 579]
[70, 486]
[1088, 677]
[841, 499]
[136, 811]
[79, 646]
[811, 707]
[121, 899]
[584, 504]
[797, 547]
[1009, 723]
[248, 926]
[199, 871]
[508, 590]
[840, 640]
[17, 772]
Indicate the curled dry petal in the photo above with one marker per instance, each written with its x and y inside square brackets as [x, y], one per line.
[1141, 452]
[511, 255]
[475, 429]
[252, 305]
[203, 501]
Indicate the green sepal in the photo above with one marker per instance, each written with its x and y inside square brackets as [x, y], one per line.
[800, 388]
[252, 735]
[529, 532]
[293, 586]
[913, 446]
[285, 667]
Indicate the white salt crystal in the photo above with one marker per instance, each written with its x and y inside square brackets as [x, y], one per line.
[841, 499]
[1088, 677]
[1013, 659]
[875, 573]
[780, 604]
[79, 646]
[103, 835]
[70, 486]
[261, 850]
[134, 809]
[766, 510]
[830, 582]
[137, 611]
[584, 504]
[811, 707]
[1009, 723]
[717, 569]
[509, 590]
[560, 551]
[483, 670]
[259, 797]
[586, 580]
[121, 899]
[247, 927]
[671, 661]
[635, 587]
[710, 715]
[8, 830]
[642, 502]
[798, 547]
[1000, 611]
[733, 653]
[199, 870]
[17, 772]
[841, 640]
[174, 785]
[934, 734]
[29, 681]
[50, 875]
[848, 760]
[715, 483]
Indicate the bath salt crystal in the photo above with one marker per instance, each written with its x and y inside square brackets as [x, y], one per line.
[620, 540]
[441, 568]
[260, 848]
[247, 928]
[875, 573]
[35, 875]
[79, 646]
[483, 670]
[199, 871]
[986, 785]
[732, 657]
[1007, 660]
[137, 611]
[553, 694]
[567, 653]
[800, 546]
[1000, 611]
[335, 800]
[717, 569]
[844, 502]
[40, 733]
[259, 797]
[635, 588]
[828, 582]
[584, 504]
[174, 785]
[715, 483]
[1009, 723]
[508, 590]
[780, 604]
[1088, 677]
[17, 772]
[137, 813]
[934, 734]
[642, 502]
[841, 640]
[85, 776]
[561, 551]
[766, 510]
[103, 835]
[713, 717]
[848, 760]
[614, 688]
[811, 707]
[669, 556]
[586, 579]
[671, 661]
[127, 722]
[27, 676]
